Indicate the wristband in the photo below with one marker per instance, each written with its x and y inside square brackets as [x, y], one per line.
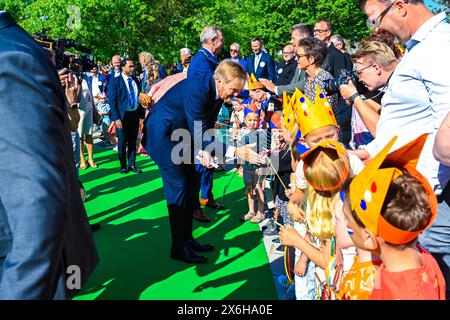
[353, 97]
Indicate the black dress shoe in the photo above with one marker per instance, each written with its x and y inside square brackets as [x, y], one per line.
[134, 169]
[185, 254]
[197, 246]
[199, 215]
[123, 171]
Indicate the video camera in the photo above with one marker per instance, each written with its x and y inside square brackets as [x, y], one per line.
[332, 85]
[59, 47]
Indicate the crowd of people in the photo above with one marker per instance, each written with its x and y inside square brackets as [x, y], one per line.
[344, 154]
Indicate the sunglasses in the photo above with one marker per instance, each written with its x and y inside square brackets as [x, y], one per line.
[233, 50]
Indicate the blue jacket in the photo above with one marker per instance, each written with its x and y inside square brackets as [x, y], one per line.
[44, 228]
[266, 66]
[118, 97]
[101, 78]
[188, 101]
[203, 63]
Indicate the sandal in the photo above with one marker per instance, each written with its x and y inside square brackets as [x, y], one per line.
[258, 218]
[92, 164]
[248, 216]
[83, 166]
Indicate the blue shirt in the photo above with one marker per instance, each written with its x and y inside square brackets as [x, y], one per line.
[418, 97]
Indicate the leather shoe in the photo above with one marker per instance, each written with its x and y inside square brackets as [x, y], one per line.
[123, 171]
[187, 255]
[134, 169]
[199, 215]
[197, 246]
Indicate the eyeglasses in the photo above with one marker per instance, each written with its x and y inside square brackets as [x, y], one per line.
[301, 55]
[233, 50]
[358, 72]
[288, 52]
[375, 23]
[320, 30]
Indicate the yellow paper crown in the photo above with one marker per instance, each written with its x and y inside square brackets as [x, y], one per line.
[253, 84]
[288, 119]
[369, 188]
[311, 116]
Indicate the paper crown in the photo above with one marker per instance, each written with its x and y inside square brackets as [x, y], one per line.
[311, 116]
[309, 156]
[288, 119]
[253, 84]
[251, 108]
[369, 188]
[275, 121]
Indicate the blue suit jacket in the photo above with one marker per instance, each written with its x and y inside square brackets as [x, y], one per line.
[43, 223]
[203, 63]
[118, 97]
[266, 66]
[101, 78]
[190, 100]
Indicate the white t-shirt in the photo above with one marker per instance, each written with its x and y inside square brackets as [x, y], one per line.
[355, 164]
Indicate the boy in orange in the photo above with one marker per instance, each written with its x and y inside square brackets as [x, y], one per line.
[387, 206]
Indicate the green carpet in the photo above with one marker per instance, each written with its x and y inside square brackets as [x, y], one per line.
[133, 242]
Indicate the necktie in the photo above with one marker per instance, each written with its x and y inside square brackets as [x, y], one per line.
[132, 95]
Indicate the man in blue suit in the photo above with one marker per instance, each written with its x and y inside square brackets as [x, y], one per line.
[205, 60]
[204, 63]
[45, 236]
[235, 50]
[260, 63]
[123, 95]
[198, 98]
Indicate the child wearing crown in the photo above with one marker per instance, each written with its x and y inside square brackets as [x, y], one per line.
[253, 179]
[317, 124]
[387, 206]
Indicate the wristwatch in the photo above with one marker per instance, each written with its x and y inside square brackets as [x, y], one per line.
[352, 98]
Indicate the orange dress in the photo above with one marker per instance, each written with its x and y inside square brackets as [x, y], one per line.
[359, 281]
[424, 283]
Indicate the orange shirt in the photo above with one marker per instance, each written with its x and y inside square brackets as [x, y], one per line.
[424, 283]
[359, 281]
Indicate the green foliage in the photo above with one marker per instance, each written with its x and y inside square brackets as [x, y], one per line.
[162, 27]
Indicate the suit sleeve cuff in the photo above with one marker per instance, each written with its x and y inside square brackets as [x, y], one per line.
[230, 154]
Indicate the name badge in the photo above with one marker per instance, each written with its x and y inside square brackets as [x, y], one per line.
[280, 71]
[262, 64]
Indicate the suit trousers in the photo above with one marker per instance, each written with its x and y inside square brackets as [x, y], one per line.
[204, 181]
[180, 191]
[127, 137]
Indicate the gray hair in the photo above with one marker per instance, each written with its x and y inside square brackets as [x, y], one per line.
[235, 44]
[209, 33]
[302, 29]
[186, 51]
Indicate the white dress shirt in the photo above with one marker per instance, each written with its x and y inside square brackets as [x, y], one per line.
[418, 97]
[136, 92]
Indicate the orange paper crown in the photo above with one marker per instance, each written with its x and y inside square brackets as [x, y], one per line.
[311, 116]
[253, 84]
[310, 155]
[369, 188]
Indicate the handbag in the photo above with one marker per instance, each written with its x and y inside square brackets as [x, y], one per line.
[98, 119]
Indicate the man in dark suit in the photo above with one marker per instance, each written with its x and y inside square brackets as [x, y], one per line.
[194, 99]
[235, 50]
[286, 67]
[334, 63]
[45, 236]
[205, 63]
[205, 60]
[260, 63]
[123, 97]
[335, 60]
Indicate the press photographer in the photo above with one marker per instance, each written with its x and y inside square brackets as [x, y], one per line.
[374, 63]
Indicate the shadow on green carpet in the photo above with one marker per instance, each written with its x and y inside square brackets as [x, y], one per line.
[134, 241]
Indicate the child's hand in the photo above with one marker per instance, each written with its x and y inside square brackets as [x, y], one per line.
[300, 266]
[289, 236]
[297, 214]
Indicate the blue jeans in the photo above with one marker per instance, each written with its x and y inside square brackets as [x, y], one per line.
[436, 240]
